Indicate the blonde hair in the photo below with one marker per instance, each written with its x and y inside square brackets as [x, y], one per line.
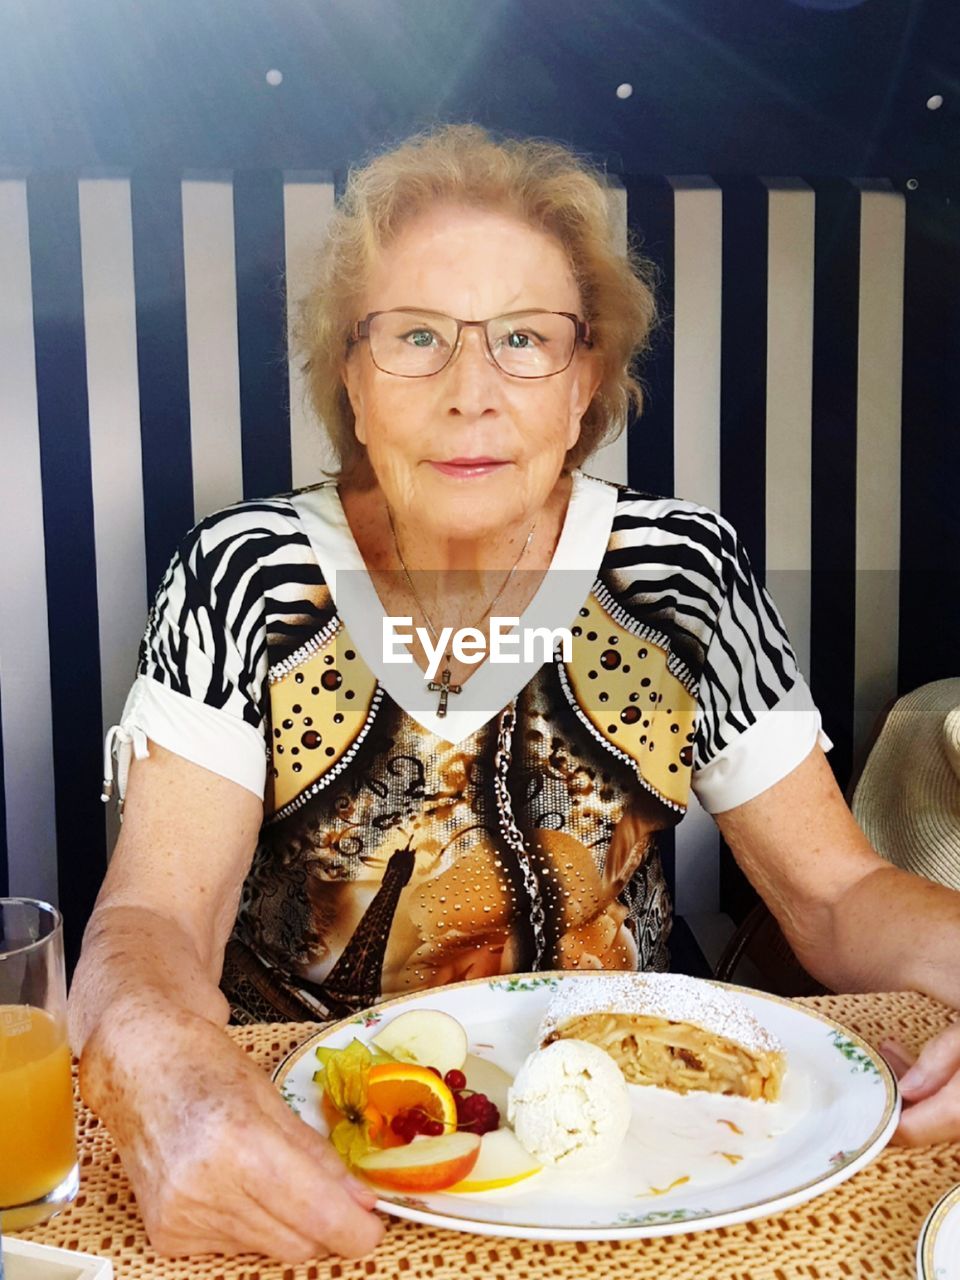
[543, 184]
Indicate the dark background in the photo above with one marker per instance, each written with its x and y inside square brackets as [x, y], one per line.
[720, 86]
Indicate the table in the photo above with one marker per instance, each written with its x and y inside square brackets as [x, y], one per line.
[866, 1228]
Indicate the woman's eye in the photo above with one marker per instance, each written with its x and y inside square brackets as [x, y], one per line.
[524, 340]
[419, 337]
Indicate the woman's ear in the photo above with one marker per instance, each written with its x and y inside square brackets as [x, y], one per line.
[351, 378]
[588, 375]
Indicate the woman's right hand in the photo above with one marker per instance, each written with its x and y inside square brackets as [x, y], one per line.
[217, 1160]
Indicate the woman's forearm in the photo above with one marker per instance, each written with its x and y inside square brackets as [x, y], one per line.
[135, 955]
[892, 931]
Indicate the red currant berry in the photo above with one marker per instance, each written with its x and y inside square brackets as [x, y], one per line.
[436, 1071]
[491, 1119]
[455, 1079]
[474, 1105]
[419, 1119]
[433, 1128]
[403, 1126]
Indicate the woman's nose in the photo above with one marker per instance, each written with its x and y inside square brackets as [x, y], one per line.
[473, 381]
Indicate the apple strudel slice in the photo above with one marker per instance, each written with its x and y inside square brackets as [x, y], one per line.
[670, 1030]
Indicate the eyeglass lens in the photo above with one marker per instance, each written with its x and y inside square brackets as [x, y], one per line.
[413, 344]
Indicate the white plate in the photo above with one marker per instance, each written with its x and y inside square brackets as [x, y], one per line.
[938, 1249]
[840, 1107]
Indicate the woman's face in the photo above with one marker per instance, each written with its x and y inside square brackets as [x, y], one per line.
[421, 433]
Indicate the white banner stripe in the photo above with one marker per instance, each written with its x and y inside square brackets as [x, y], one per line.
[789, 403]
[698, 271]
[110, 325]
[213, 362]
[698, 263]
[24, 644]
[307, 206]
[879, 388]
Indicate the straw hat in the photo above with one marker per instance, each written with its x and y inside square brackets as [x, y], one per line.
[908, 798]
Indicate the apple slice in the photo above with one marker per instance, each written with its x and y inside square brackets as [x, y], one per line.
[425, 1036]
[501, 1163]
[486, 1077]
[426, 1164]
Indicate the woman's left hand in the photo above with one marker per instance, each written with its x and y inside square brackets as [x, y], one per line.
[930, 1084]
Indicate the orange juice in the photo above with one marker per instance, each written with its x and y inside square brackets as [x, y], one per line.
[37, 1142]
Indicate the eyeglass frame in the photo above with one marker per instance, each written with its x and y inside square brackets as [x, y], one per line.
[582, 337]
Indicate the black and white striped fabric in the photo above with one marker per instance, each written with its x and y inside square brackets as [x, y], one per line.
[238, 575]
[145, 381]
[688, 562]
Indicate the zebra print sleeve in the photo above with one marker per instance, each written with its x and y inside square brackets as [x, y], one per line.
[205, 636]
[749, 664]
[201, 685]
[757, 718]
[683, 569]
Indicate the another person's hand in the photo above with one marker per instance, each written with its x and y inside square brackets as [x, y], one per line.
[218, 1162]
[930, 1084]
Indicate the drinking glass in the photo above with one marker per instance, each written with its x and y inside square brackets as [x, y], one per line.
[38, 1148]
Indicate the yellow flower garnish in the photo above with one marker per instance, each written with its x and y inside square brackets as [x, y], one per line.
[344, 1077]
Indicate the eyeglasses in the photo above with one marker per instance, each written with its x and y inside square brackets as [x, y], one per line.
[524, 344]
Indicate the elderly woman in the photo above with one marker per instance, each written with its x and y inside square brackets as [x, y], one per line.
[312, 825]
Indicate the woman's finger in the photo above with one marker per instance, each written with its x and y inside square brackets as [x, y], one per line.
[937, 1063]
[362, 1192]
[318, 1147]
[935, 1119]
[898, 1058]
[249, 1231]
[307, 1191]
[230, 1222]
[257, 1231]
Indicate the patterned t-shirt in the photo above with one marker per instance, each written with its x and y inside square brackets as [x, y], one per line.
[401, 849]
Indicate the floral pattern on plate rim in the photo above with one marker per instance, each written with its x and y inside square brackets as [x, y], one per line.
[523, 984]
[657, 1217]
[860, 1061]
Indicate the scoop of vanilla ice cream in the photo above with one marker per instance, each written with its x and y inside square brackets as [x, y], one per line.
[569, 1105]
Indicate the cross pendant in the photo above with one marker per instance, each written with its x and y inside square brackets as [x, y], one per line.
[444, 688]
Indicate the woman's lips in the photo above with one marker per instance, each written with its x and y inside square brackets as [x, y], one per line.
[467, 468]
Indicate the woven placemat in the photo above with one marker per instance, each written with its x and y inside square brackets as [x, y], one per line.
[866, 1228]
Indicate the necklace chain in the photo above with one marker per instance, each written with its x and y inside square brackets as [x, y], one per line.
[413, 591]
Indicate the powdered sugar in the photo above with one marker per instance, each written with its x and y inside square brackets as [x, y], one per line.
[672, 996]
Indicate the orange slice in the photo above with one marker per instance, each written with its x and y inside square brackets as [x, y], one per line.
[400, 1086]
[393, 1087]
